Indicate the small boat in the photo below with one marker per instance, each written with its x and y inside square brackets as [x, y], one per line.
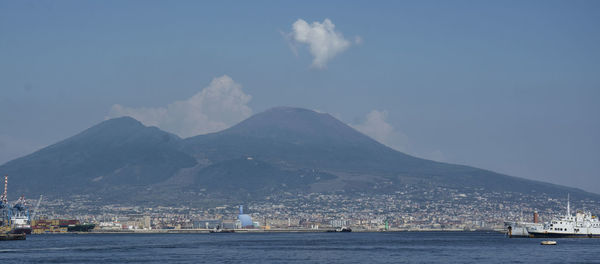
[548, 243]
[341, 229]
[344, 229]
[221, 231]
[8, 236]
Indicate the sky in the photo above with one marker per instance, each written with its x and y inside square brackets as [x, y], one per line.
[509, 86]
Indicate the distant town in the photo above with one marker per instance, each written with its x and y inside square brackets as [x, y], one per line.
[409, 210]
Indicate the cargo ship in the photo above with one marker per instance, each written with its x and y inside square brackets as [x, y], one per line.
[20, 221]
[582, 224]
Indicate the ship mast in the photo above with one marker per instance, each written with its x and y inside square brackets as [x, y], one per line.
[568, 205]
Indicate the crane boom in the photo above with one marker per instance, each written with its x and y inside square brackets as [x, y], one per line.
[37, 206]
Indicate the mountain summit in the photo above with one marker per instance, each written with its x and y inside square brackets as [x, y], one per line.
[283, 149]
[298, 125]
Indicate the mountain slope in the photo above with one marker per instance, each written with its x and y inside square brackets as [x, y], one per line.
[301, 139]
[116, 152]
[283, 149]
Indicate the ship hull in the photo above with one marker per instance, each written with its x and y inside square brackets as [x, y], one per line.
[21, 230]
[517, 232]
[81, 228]
[555, 235]
[12, 236]
[518, 229]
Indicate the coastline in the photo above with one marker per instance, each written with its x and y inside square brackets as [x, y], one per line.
[257, 231]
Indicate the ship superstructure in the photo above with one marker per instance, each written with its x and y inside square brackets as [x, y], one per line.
[582, 224]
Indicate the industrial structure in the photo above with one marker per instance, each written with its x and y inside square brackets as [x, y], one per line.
[5, 211]
[14, 219]
[245, 221]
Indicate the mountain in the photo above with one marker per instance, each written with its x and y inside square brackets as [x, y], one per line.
[116, 152]
[283, 149]
[295, 139]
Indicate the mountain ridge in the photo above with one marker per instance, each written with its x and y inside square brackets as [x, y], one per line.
[282, 149]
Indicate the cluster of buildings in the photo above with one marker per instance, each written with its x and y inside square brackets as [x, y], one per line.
[436, 208]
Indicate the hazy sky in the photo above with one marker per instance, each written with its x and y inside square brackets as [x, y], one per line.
[510, 86]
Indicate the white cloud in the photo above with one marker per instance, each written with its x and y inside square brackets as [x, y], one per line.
[323, 41]
[218, 106]
[376, 126]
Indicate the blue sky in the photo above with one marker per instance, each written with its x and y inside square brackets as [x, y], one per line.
[510, 86]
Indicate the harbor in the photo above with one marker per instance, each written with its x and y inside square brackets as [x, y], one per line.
[18, 221]
[14, 218]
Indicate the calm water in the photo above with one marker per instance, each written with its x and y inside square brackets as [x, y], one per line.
[405, 247]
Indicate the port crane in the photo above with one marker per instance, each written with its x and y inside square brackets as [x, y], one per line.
[37, 206]
[20, 204]
[4, 198]
[18, 213]
[4, 207]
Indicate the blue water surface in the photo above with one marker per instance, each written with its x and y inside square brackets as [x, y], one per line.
[390, 247]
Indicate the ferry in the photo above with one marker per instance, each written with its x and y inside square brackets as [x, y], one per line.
[582, 224]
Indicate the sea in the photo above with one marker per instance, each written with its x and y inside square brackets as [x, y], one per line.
[381, 247]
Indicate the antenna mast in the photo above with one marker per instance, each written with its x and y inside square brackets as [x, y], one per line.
[568, 204]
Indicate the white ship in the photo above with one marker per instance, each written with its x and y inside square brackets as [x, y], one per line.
[519, 229]
[20, 218]
[582, 224]
[20, 224]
